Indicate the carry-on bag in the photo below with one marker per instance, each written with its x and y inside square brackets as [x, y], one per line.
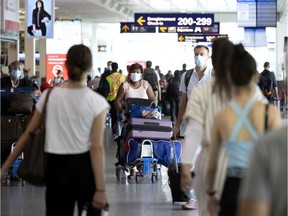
[174, 181]
[150, 129]
[164, 152]
[11, 127]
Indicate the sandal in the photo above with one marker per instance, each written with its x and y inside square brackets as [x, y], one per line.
[132, 174]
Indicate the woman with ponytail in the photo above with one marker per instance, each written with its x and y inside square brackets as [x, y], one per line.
[236, 128]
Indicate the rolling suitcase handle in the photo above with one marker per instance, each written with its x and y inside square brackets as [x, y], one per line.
[174, 152]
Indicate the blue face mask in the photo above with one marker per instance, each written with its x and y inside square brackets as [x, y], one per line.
[16, 74]
[200, 61]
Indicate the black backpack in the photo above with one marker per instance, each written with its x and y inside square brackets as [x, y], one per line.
[266, 84]
[173, 87]
[150, 76]
[187, 78]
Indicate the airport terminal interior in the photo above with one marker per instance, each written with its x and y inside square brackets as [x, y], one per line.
[164, 32]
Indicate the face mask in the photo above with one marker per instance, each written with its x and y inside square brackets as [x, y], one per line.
[60, 75]
[110, 67]
[136, 77]
[200, 61]
[16, 74]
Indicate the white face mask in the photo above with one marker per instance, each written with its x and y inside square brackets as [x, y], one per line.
[16, 74]
[200, 61]
[136, 77]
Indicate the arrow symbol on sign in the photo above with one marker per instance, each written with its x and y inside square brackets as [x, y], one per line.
[181, 38]
[163, 29]
[140, 20]
[125, 28]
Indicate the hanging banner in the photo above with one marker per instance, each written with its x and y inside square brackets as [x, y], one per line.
[39, 18]
[10, 19]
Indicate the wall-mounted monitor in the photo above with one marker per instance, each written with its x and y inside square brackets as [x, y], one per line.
[246, 13]
[257, 13]
[266, 13]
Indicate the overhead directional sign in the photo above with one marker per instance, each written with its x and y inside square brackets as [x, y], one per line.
[199, 38]
[179, 19]
[191, 30]
[129, 27]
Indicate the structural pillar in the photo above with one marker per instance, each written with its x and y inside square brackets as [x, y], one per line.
[42, 62]
[30, 56]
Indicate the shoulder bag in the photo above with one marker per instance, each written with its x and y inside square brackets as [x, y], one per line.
[33, 166]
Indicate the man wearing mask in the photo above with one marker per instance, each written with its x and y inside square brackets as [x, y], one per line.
[59, 80]
[189, 80]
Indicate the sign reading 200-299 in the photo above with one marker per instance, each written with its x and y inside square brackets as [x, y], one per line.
[178, 19]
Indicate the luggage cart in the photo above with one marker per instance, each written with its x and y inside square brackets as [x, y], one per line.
[11, 174]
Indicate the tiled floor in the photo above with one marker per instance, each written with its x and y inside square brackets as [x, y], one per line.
[125, 197]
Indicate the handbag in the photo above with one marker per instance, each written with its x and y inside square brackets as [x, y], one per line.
[21, 104]
[33, 166]
[11, 127]
[145, 112]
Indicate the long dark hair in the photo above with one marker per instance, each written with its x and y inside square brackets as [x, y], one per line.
[42, 5]
[243, 68]
[79, 61]
[222, 51]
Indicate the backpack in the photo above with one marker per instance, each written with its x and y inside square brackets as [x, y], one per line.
[266, 84]
[173, 87]
[187, 78]
[150, 76]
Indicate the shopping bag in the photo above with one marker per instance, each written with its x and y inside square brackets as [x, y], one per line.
[88, 210]
[33, 166]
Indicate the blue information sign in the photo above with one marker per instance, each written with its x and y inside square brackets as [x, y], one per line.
[191, 30]
[179, 19]
[130, 27]
[199, 38]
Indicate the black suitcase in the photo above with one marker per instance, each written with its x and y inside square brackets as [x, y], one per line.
[175, 184]
[174, 181]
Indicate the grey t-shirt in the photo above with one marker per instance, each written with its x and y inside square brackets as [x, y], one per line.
[266, 178]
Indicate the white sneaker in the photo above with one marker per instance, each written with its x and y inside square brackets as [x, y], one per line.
[190, 205]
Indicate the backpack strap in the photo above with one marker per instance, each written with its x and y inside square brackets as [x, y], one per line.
[187, 77]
